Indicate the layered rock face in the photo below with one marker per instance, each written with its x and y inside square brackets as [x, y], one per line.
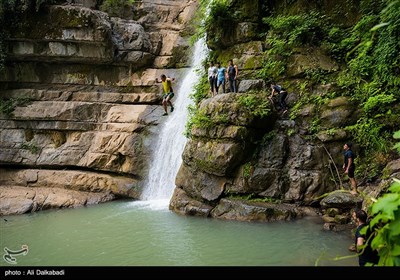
[268, 158]
[83, 105]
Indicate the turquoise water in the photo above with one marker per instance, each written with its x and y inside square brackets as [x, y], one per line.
[138, 234]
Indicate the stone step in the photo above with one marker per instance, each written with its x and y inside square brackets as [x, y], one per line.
[78, 111]
[70, 126]
[87, 96]
[76, 180]
[19, 200]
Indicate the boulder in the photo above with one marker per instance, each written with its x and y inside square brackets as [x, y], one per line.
[200, 185]
[247, 85]
[341, 200]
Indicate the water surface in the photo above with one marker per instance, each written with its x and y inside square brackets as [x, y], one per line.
[141, 234]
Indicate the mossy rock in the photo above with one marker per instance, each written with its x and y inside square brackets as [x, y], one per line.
[245, 55]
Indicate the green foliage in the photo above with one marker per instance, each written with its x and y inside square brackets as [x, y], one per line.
[247, 168]
[32, 147]
[298, 29]
[291, 132]
[397, 136]
[198, 22]
[221, 119]
[255, 105]
[368, 133]
[386, 225]
[373, 81]
[386, 222]
[200, 92]
[378, 103]
[271, 68]
[315, 125]
[116, 7]
[220, 22]
[202, 120]
[313, 100]
[7, 106]
[336, 45]
[316, 76]
[287, 32]
[374, 61]
[201, 88]
[196, 118]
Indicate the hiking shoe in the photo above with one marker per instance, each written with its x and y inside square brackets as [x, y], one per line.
[165, 114]
[172, 109]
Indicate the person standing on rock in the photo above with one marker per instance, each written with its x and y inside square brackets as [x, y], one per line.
[212, 78]
[168, 92]
[349, 166]
[232, 75]
[221, 77]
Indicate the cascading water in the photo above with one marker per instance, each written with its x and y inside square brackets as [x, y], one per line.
[167, 154]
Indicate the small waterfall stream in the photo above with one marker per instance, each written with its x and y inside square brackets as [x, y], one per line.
[167, 153]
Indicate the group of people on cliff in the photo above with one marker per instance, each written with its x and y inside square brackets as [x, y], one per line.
[218, 75]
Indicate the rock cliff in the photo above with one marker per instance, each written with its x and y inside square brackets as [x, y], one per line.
[238, 169]
[80, 104]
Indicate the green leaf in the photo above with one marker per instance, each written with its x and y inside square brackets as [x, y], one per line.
[375, 220]
[396, 250]
[394, 228]
[395, 187]
[389, 262]
[397, 135]
[387, 204]
[378, 241]
[376, 27]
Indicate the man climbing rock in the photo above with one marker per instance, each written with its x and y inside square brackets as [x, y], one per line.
[277, 89]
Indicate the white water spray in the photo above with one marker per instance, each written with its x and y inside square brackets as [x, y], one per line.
[167, 153]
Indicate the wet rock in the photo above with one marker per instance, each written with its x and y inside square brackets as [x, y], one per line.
[183, 204]
[236, 209]
[200, 185]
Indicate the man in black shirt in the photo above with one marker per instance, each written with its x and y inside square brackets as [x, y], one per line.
[277, 89]
[363, 241]
[349, 166]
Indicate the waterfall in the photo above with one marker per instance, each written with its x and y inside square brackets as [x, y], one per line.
[167, 153]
